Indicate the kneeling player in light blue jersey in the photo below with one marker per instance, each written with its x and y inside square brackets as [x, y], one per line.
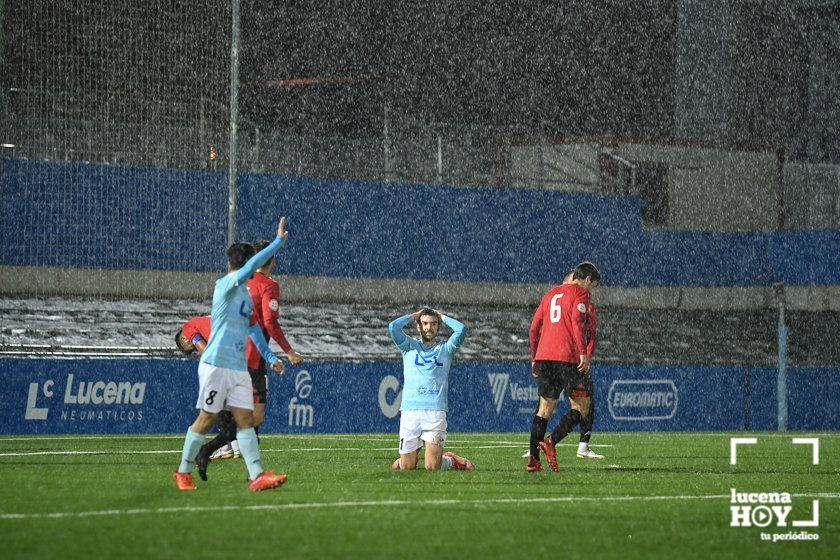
[223, 376]
[426, 365]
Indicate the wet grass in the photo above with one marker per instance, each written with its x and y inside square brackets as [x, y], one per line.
[655, 495]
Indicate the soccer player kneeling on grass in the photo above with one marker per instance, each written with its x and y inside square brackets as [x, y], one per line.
[560, 359]
[223, 374]
[426, 367]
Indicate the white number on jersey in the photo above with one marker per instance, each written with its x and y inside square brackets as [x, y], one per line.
[555, 309]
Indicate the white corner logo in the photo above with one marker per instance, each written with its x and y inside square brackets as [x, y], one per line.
[498, 384]
[772, 509]
[733, 447]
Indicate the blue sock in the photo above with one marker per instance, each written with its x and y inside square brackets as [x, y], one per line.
[250, 449]
[192, 443]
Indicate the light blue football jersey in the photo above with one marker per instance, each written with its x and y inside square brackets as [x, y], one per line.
[426, 368]
[231, 313]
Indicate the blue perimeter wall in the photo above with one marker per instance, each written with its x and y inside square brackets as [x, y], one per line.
[158, 396]
[97, 216]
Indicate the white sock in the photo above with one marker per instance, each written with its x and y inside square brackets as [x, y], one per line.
[446, 463]
[583, 447]
[234, 445]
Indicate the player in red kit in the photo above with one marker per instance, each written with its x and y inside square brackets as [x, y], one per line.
[587, 421]
[265, 292]
[560, 354]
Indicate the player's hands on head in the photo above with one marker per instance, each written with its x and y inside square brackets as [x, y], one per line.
[281, 228]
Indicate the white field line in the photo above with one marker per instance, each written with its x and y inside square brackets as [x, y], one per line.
[377, 503]
[362, 437]
[730, 434]
[168, 451]
[523, 441]
[479, 437]
[181, 436]
[263, 450]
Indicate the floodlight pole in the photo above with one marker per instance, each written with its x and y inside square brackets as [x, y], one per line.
[439, 158]
[4, 107]
[781, 380]
[234, 116]
[386, 156]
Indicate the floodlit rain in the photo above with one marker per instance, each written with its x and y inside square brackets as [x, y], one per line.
[458, 156]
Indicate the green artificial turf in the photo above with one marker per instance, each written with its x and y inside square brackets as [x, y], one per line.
[656, 495]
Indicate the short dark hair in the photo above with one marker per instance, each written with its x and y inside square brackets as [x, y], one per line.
[585, 269]
[426, 311]
[238, 254]
[259, 246]
[178, 343]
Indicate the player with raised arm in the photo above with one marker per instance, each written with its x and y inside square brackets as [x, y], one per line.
[426, 365]
[223, 372]
[192, 339]
[560, 359]
[265, 293]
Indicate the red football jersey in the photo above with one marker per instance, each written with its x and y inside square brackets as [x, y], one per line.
[563, 327]
[202, 326]
[198, 326]
[591, 327]
[265, 293]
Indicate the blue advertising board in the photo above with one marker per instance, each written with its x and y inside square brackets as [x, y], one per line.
[158, 396]
[116, 217]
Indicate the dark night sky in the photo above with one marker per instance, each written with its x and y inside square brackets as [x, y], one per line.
[584, 65]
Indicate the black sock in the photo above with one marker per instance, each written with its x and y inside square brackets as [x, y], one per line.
[566, 425]
[257, 431]
[586, 423]
[227, 426]
[538, 427]
[216, 443]
[227, 433]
